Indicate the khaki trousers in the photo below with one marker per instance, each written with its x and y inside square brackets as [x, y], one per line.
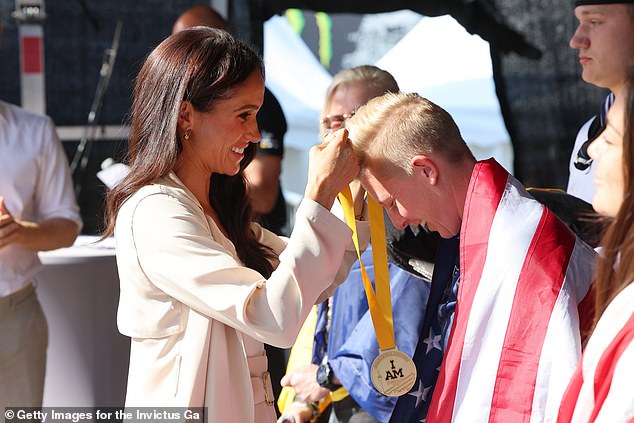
[23, 342]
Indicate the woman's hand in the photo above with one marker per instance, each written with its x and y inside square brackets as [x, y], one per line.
[331, 167]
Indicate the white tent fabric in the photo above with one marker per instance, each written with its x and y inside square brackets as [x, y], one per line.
[441, 61]
[299, 82]
[438, 59]
[296, 78]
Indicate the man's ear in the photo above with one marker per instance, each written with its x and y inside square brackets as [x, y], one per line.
[426, 168]
[185, 117]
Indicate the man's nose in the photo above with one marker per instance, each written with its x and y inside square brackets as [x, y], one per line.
[397, 220]
[579, 39]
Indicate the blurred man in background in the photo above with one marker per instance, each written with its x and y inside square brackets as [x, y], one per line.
[38, 212]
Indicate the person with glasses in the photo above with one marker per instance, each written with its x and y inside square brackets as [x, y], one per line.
[344, 343]
[330, 123]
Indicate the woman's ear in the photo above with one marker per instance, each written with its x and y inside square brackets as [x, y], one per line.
[426, 168]
[185, 117]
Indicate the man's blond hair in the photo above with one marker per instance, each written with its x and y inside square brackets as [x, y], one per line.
[398, 126]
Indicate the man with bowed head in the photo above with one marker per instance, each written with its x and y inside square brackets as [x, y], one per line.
[345, 343]
[500, 337]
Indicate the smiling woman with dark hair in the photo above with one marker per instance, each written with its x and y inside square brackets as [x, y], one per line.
[202, 285]
[602, 389]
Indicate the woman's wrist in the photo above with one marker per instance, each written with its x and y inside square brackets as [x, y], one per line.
[319, 196]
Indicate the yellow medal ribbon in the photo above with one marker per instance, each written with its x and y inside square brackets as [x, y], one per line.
[380, 304]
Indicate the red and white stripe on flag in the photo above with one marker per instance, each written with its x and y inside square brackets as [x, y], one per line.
[602, 389]
[515, 340]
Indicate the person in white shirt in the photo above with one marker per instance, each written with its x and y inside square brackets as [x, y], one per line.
[203, 285]
[604, 40]
[38, 212]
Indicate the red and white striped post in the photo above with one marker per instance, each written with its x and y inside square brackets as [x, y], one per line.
[30, 16]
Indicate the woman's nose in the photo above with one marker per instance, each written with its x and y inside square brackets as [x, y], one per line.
[254, 133]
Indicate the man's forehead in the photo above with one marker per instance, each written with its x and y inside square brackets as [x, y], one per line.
[377, 185]
[597, 9]
[371, 179]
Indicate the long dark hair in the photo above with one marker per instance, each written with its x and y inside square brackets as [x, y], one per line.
[616, 268]
[200, 65]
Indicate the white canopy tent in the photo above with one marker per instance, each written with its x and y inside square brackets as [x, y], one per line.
[299, 82]
[438, 59]
[441, 61]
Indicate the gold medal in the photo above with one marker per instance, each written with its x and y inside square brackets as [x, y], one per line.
[393, 373]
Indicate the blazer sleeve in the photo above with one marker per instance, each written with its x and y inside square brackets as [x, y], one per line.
[351, 255]
[177, 254]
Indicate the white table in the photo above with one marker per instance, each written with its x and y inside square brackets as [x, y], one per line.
[87, 358]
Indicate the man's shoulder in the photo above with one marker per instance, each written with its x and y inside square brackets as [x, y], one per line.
[21, 118]
[27, 132]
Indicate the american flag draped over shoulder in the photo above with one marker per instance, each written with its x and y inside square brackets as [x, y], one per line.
[601, 389]
[515, 340]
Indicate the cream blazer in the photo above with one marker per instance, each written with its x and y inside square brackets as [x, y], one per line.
[188, 303]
